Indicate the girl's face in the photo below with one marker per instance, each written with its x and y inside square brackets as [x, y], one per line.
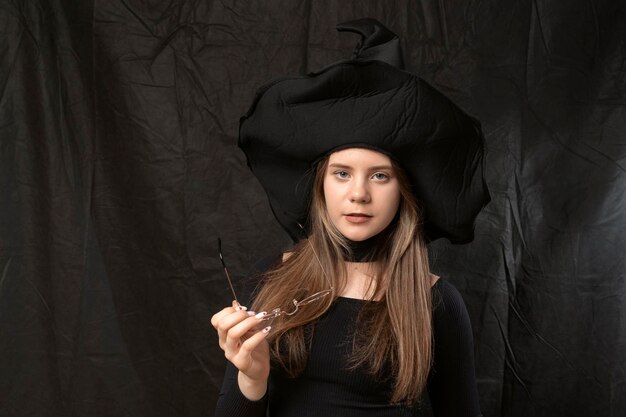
[362, 192]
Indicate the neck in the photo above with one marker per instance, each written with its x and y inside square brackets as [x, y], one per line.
[362, 250]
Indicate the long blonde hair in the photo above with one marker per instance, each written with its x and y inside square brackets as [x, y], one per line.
[395, 330]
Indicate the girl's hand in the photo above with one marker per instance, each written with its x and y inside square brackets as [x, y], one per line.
[243, 341]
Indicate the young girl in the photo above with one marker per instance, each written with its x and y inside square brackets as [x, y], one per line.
[374, 163]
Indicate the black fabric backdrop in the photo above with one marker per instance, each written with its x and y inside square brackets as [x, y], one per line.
[119, 168]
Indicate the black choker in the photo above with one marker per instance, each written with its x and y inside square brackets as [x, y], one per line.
[362, 251]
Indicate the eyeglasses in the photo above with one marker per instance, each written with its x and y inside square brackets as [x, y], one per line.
[296, 304]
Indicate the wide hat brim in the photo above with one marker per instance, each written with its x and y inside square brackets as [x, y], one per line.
[365, 102]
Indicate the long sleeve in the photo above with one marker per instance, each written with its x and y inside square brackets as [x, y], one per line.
[328, 387]
[452, 383]
[232, 403]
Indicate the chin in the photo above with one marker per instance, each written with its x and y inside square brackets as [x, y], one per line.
[358, 235]
[358, 238]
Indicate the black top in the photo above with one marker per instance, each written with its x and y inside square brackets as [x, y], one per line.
[326, 388]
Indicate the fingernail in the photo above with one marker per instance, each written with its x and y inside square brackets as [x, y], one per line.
[240, 308]
[261, 315]
[251, 313]
[267, 329]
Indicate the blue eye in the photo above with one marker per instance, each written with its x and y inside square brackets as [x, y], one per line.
[380, 176]
[341, 174]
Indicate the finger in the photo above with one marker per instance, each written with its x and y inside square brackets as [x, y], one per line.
[215, 319]
[251, 324]
[225, 311]
[238, 306]
[243, 329]
[242, 358]
[254, 341]
[230, 340]
[226, 323]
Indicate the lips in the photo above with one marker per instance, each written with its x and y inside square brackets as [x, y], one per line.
[357, 217]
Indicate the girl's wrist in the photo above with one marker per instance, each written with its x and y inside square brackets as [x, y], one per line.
[252, 389]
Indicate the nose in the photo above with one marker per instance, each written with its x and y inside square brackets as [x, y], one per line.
[359, 192]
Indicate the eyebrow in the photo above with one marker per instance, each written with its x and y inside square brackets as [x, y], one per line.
[373, 168]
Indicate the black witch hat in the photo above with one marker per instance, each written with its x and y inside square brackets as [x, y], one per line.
[367, 101]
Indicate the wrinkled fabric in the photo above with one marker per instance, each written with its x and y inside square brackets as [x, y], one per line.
[294, 123]
[119, 169]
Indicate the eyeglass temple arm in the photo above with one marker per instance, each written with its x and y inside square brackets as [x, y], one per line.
[230, 283]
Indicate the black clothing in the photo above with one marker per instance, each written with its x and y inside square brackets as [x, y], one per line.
[326, 388]
[367, 102]
[365, 250]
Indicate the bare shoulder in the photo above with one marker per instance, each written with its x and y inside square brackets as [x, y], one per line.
[433, 279]
[287, 255]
